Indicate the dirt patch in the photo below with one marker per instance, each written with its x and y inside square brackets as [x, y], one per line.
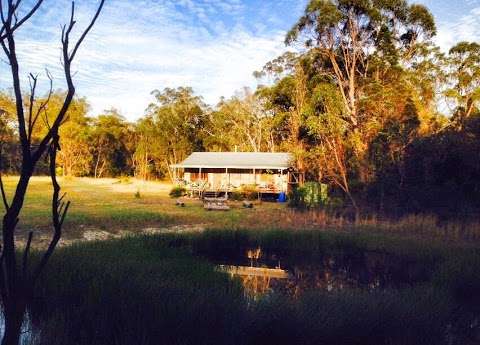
[176, 229]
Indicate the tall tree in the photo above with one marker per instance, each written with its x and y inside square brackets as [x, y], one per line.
[17, 280]
[464, 79]
[362, 49]
[108, 139]
[241, 123]
[178, 119]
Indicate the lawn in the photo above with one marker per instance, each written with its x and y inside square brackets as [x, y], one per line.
[106, 208]
[109, 207]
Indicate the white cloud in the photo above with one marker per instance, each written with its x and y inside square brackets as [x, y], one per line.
[466, 28]
[140, 46]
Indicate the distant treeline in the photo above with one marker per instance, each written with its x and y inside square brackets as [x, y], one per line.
[371, 107]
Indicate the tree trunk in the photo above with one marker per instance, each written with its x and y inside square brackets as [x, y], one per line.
[13, 314]
[355, 206]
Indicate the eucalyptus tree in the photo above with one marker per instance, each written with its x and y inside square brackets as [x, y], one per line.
[351, 34]
[464, 79]
[177, 120]
[17, 279]
[108, 141]
[362, 49]
[241, 122]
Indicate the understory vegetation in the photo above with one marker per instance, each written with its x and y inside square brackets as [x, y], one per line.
[166, 289]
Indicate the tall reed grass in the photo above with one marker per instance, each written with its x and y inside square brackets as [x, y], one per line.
[159, 290]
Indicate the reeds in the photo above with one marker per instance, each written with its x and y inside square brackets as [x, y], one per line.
[157, 290]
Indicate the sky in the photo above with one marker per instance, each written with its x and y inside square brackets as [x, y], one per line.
[214, 46]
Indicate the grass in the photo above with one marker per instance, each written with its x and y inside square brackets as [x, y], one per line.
[134, 291]
[160, 290]
[112, 205]
[129, 206]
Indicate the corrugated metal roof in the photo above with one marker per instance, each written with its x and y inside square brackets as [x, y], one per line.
[237, 160]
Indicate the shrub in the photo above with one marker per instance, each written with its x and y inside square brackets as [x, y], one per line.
[137, 194]
[296, 198]
[310, 195]
[177, 192]
[236, 195]
[249, 191]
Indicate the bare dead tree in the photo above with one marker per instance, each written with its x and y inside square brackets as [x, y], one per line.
[18, 280]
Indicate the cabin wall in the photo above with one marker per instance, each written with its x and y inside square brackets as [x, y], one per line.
[235, 178]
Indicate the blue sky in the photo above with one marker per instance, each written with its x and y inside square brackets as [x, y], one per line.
[212, 45]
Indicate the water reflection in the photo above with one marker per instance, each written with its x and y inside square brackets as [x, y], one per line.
[261, 272]
[27, 336]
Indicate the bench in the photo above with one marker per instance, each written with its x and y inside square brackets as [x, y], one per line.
[220, 204]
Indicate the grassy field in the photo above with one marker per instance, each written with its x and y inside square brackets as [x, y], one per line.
[107, 208]
[166, 288]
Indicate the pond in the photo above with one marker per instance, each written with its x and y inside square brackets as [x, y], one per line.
[263, 272]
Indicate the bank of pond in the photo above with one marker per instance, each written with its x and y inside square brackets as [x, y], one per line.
[268, 287]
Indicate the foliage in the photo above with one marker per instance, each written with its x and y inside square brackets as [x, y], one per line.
[296, 198]
[249, 191]
[177, 192]
[240, 123]
[172, 129]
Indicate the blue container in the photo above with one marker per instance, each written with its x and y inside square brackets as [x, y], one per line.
[282, 197]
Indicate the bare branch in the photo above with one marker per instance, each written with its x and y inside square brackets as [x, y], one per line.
[4, 195]
[18, 23]
[87, 30]
[2, 186]
[33, 86]
[67, 61]
[42, 106]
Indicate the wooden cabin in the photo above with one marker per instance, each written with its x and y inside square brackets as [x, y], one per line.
[270, 173]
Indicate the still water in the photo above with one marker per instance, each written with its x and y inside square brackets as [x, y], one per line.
[265, 272]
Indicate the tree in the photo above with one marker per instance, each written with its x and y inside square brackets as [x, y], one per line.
[8, 144]
[361, 50]
[108, 144]
[464, 79]
[288, 100]
[241, 123]
[177, 121]
[17, 280]
[74, 157]
[143, 157]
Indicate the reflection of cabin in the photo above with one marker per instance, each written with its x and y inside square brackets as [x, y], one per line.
[269, 173]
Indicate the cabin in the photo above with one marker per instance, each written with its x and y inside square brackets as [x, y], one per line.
[267, 172]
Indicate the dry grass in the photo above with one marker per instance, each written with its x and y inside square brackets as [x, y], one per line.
[104, 208]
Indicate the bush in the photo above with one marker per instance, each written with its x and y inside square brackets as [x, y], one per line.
[296, 198]
[137, 194]
[249, 191]
[310, 195]
[177, 192]
[236, 195]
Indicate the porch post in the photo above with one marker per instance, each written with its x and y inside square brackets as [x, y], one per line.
[226, 178]
[281, 179]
